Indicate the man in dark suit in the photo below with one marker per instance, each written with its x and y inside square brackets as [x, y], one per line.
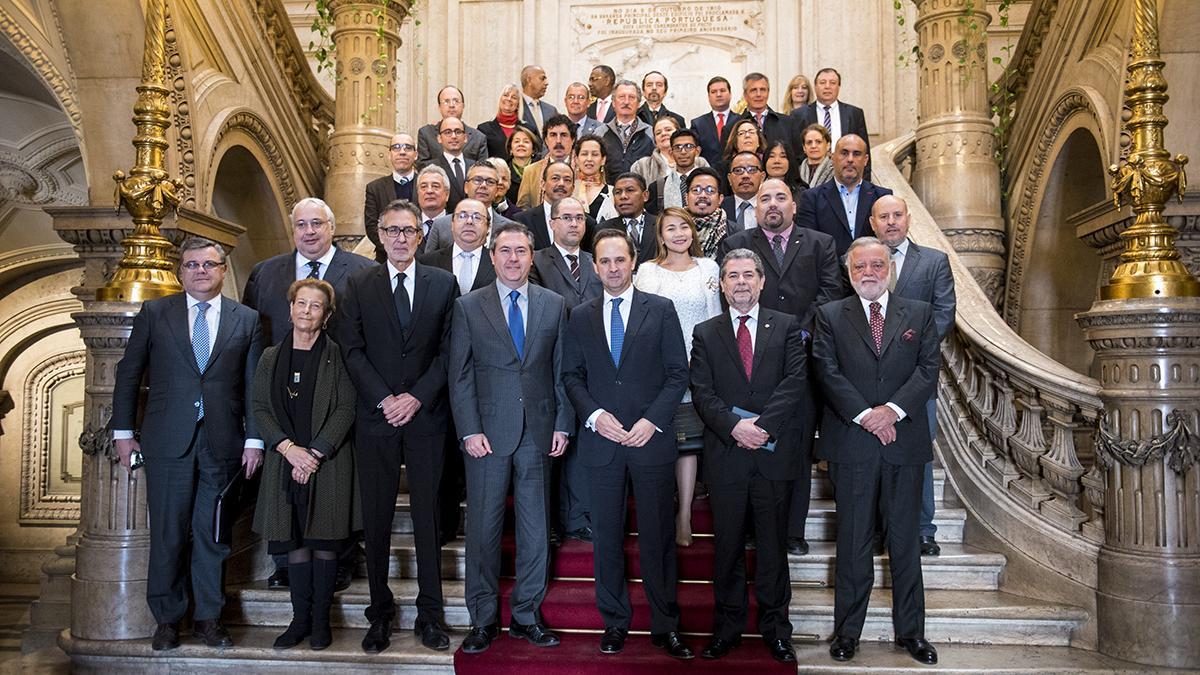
[535, 111]
[451, 103]
[558, 182]
[452, 159]
[511, 411]
[756, 90]
[629, 197]
[600, 85]
[801, 274]
[560, 141]
[625, 371]
[922, 274]
[393, 328]
[712, 128]
[466, 256]
[433, 193]
[841, 207]
[654, 90]
[575, 103]
[838, 117]
[749, 378]
[626, 138]
[380, 192]
[876, 358]
[567, 269]
[745, 176]
[483, 181]
[198, 352]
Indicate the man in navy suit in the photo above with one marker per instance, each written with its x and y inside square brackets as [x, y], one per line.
[712, 128]
[625, 371]
[575, 102]
[841, 207]
[629, 196]
[380, 192]
[839, 117]
[452, 159]
[451, 103]
[745, 176]
[756, 89]
[600, 85]
[535, 111]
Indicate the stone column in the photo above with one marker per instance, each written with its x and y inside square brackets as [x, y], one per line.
[956, 174]
[365, 37]
[1148, 582]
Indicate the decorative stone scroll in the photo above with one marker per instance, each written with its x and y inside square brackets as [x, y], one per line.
[1178, 444]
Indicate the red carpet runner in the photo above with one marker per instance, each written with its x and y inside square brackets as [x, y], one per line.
[571, 605]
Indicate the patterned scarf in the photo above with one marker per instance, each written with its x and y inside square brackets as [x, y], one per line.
[712, 229]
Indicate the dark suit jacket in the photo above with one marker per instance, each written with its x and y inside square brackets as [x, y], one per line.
[821, 209]
[650, 118]
[442, 259]
[457, 192]
[535, 219]
[497, 141]
[712, 146]
[648, 383]
[429, 147]
[779, 127]
[495, 392]
[852, 118]
[527, 118]
[648, 245]
[160, 349]
[809, 277]
[550, 271]
[381, 192]
[926, 276]
[587, 126]
[620, 158]
[854, 378]
[729, 206]
[777, 389]
[267, 287]
[609, 116]
[382, 360]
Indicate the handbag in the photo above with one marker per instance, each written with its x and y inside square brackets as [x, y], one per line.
[226, 509]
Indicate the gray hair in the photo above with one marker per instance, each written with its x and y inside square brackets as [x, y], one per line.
[197, 243]
[861, 242]
[313, 201]
[402, 206]
[744, 254]
[500, 165]
[511, 87]
[629, 83]
[434, 169]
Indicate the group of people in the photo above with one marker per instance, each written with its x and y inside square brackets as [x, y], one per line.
[567, 307]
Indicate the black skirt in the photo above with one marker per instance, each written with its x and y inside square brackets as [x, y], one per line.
[689, 430]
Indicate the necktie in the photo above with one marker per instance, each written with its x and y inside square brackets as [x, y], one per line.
[428, 226]
[828, 122]
[760, 117]
[465, 278]
[536, 108]
[200, 347]
[458, 173]
[877, 326]
[683, 190]
[601, 110]
[573, 263]
[745, 349]
[777, 248]
[516, 325]
[741, 214]
[720, 124]
[633, 228]
[616, 338]
[314, 269]
[403, 302]
[895, 274]
[626, 131]
[404, 180]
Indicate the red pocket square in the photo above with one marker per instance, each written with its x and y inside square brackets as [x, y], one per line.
[909, 335]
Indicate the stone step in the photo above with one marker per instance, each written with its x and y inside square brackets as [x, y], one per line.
[972, 617]
[821, 524]
[958, 567]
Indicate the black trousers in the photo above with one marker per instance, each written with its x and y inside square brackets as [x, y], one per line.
[181, 494]
[378, 460]
[800, 494]
[766, 502]
[862, 490]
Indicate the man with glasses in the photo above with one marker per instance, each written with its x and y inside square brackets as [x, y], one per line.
[745, 175]
[451, 103]
[402, 152]
[197, 351]
[703, 187]
[395, 324]
[483, 181]
[452, 132]
[670, 189]
[576, 104]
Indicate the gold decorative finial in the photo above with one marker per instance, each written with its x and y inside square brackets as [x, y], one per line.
[146, 271]
[1150, 265]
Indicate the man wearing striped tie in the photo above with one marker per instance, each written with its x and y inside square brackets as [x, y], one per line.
[198, 352]
[839, 117]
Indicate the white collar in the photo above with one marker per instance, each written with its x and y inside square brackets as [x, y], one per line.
[902, 248]
[301, 261]
[626, 296]
[753, 314]
[450, 160]
[882, 300]
[456, 250]
[410, 176]
[565, 252]
[213, 303]
[410, 272]
[439, 214]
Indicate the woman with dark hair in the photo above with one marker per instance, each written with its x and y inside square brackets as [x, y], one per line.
[817, 165]
[308, 504]
[690, 281]
[779, 164]
[499, 129]
[591, 186]
[523, 148]
[745, 136]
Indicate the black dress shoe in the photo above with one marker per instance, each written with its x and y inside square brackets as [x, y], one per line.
[781, 650]
[278, 579]
[929, 546]
[797, 546]
[378, 636]
[613, 641]
[674, 645]
[919, 649]
[582, 534]
[479, 639]
[345, 573]
[717, 648]
[843, 648]
[433, 635]
[537, 634]
[166, 636]
[213, 633]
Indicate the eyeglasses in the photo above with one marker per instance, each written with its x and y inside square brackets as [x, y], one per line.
[744, 170]
[396, 231]
[480, 180]
[747, 131]
[452, 132]
[406, 147]
[684, 147]
[208, 265]
[703, 190]
[571, 217]
[467, 216]
[314, 224]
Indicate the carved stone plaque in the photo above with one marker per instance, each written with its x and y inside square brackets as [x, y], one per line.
[667, 21]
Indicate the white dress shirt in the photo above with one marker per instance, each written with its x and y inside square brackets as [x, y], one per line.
[835, 120]
[751, 324]
[549, 230]
[302, 268]
[406, 178]
[750, 220]
[626, 301]
[899, 256]
[410, 280]
[456, 262]
[866, 305]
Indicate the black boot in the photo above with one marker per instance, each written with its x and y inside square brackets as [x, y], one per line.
[324, 582]
[301, 588]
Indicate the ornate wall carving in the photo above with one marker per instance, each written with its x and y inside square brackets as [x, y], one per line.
[62, 84]
[35, 173]
[51, 468]
[257, 129]
[185, 154]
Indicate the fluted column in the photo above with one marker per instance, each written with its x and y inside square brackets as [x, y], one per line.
[956, 174]
[365, 37]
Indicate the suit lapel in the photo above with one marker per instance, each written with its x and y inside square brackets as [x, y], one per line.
[224, 328]
[858, 320]
[897, 315]
[177, 321]
[598, 328]
[764, 250]
[556, 259]
[383, 290]
[834, 199]
[729, 339]
[337, 267]
[494, 311]
[762, 342]
[911, 260]
[862, 211]
[793, 246]
[482, 274]
[537, 307]
[421, 290]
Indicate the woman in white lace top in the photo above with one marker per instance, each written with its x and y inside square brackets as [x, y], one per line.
[680, 274]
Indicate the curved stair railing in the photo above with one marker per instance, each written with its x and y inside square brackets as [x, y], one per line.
[1015, 426]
